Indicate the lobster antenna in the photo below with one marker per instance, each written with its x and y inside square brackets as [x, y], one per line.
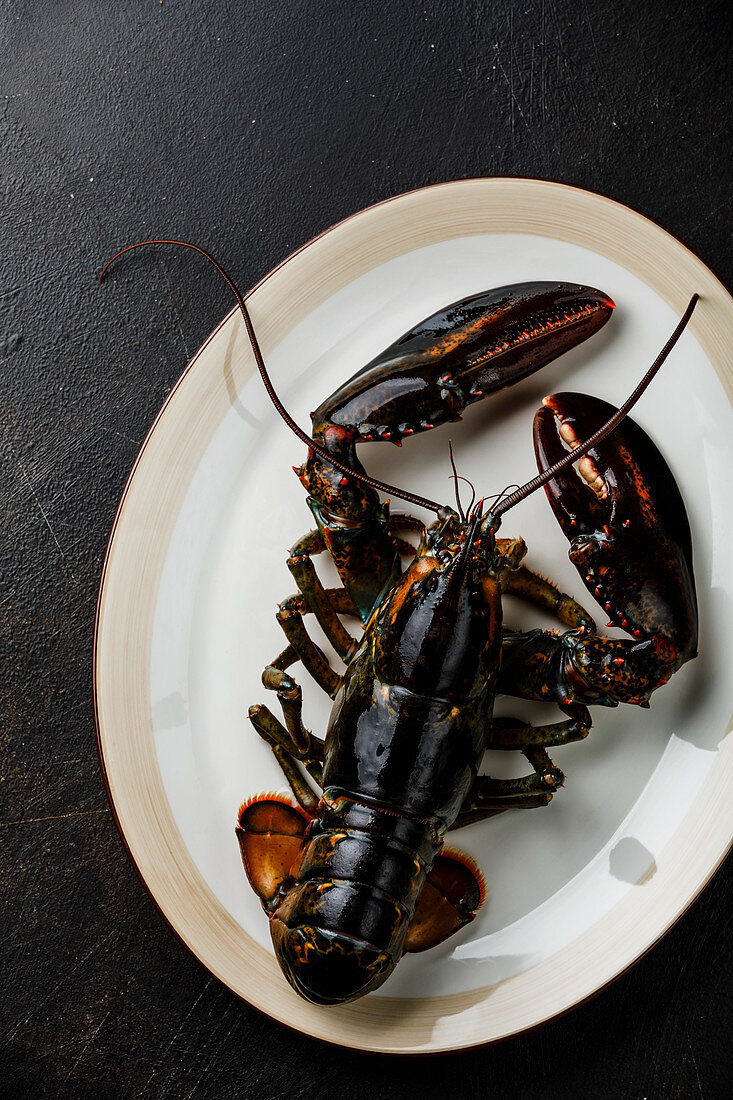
[606, 429]
[496, 497]
[473, 489]
[455, 484]
[372, 482]
[475, 518]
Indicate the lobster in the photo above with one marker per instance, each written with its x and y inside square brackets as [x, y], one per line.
[354, 878]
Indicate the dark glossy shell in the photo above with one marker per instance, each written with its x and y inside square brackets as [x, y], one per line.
[462, 352]
[632, 548]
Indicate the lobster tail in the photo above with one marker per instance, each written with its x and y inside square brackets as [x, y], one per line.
[366, 885]
[328, 968]
[341, 927]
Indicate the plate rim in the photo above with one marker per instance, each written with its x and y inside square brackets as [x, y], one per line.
[429, 188]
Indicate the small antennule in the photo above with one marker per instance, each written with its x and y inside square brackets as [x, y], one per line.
[456, 478]
[356, 475]
[461, 513]
[578, 452]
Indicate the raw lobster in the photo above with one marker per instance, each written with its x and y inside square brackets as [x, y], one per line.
[356, 878]
[353, 879]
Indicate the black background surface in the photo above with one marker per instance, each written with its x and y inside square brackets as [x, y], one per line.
[248, 128]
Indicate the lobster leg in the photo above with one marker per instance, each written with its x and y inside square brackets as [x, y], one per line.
[304, 796]
[290, 616]
[317, 598]
[312, 657]
[511, 733]
[291, 700]
[470, 814]
[275, 677]
[325, 604]
[488, 797]
[310, 543]
[400, 521]
[307, 580]
[307, 748]
[535, 589]
[545, 777]
[293, 741]
[286, 749]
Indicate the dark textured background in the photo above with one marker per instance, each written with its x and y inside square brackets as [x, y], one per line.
[250, 127]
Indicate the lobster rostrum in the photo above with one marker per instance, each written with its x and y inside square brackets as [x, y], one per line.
[354, 878]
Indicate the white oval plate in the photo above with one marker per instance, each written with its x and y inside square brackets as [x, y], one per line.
[196, 566]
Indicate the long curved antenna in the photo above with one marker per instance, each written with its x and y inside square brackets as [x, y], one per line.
[372, 482]
[605, 429]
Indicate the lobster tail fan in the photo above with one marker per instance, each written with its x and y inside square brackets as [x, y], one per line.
[270, 832]
[452, 895]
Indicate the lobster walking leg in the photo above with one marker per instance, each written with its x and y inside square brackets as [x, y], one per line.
[325, 604]
[312, 656]
[510, 733]
[291, 744]
[400, 521]
[473, 812]
[307, 748]
[290, 695]
[488, 797]
[537, 590]
[293, 741]
[545, 777]
[307, 580]
[276, 678]
[304, 796]
[290, 616]
[312, 543]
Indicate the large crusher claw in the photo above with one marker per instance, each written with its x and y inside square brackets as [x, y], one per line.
[626, 521]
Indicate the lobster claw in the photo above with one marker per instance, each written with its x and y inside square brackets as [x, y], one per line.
[433, 372]
[460, 354]
[626, 522]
